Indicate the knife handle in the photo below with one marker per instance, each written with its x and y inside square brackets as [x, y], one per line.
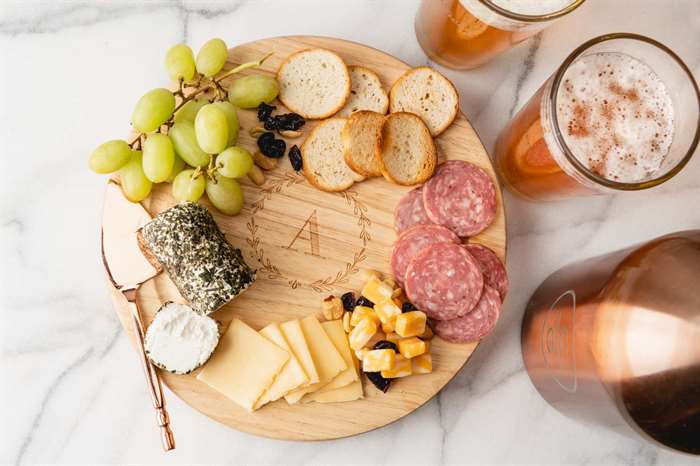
[154, 385]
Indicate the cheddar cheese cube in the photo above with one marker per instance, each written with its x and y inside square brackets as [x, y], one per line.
[378, 360]
[402, 368]
[411, 347]
[387, 311]
[392, 337]
[376, 290]
[428, 334]
[389, 326]
[346, 322]
[360, 354]
[362, 333]
[363, 312]
[411, 324]
[367, 274]
[423, 364]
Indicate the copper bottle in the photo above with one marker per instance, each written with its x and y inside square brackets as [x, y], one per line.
[615, 340]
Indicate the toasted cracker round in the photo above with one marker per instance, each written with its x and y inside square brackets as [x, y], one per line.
[322, 154]
[314, 83]
[428, 94]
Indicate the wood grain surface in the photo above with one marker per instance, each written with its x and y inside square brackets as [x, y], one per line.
[307, 244]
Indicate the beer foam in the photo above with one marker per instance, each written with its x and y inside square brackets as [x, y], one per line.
[533, 7]
[616, 116]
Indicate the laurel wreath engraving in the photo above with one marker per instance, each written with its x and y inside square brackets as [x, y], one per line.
[271, 271]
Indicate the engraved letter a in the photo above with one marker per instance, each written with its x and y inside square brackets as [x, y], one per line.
[312, 223]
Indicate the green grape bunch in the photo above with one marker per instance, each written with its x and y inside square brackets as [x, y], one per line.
[188, 137]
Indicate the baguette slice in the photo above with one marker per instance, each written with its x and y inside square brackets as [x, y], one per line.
[314, 83]
[408, 152]
[429, 95]
[362, 142]
[366, 92]
[322, 155]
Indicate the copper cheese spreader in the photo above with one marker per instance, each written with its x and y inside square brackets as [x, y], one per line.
[127, 269]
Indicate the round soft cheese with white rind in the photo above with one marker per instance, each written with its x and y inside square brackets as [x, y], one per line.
[179, 340]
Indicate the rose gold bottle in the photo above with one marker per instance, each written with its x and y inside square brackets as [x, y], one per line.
[615, 340]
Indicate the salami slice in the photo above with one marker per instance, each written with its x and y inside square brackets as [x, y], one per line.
[462, 197]
[495, 274]
[444, 281]
[413, 241]
[475, 325]
[409, 211]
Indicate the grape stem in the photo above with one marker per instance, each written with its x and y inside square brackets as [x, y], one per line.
[211, 84]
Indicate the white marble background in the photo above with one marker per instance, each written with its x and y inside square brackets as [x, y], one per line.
[71, 391]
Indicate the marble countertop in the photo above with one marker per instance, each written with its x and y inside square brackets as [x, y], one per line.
[71, 389]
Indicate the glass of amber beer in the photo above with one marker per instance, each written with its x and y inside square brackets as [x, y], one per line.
[464, 34]
[622, 113]
[614, 340]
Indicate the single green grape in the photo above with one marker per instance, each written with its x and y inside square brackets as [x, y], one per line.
[110, 156]
[188, 112]
[185, 144]
[225, 194]
[134, 183]
[158, 157]
[212, 57]
[188, 187]
[179, 63]
[231, 120]
[234, 162]
[153, 109]
[178, 166]
[211, 129]
[251, 91]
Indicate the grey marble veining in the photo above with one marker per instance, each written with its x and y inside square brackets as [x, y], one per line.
[71, 388]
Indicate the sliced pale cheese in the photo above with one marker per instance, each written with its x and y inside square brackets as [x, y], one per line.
[347, 393]
[292, 375]
[328, 360]
[334, 329]
[244, 365]
[295, 337]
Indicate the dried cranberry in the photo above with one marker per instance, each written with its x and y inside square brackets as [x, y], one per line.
[408, 307]
[378, 381]
[289, 121]
[271, 124]
[270, 146]
[348, 298]
[384, 344]
[364, 302]
[266, 138]
[265, 111]
[295, 159]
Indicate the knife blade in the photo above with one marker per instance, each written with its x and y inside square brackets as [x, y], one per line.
[127, 268]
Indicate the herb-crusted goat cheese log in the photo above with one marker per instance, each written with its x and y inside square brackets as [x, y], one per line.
[207, 270]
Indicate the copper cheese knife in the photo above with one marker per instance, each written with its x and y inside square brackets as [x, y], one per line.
[127, 269]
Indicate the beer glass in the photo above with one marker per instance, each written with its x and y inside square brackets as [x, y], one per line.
[464, 34]
[615, 340]
[622, 113]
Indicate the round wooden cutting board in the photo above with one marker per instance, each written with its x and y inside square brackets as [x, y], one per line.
[305, 245]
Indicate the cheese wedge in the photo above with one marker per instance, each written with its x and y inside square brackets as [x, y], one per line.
[295, 338]
[328, 360]
[244, 365]
[347, 393]
[292, 375]
[334, 330]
